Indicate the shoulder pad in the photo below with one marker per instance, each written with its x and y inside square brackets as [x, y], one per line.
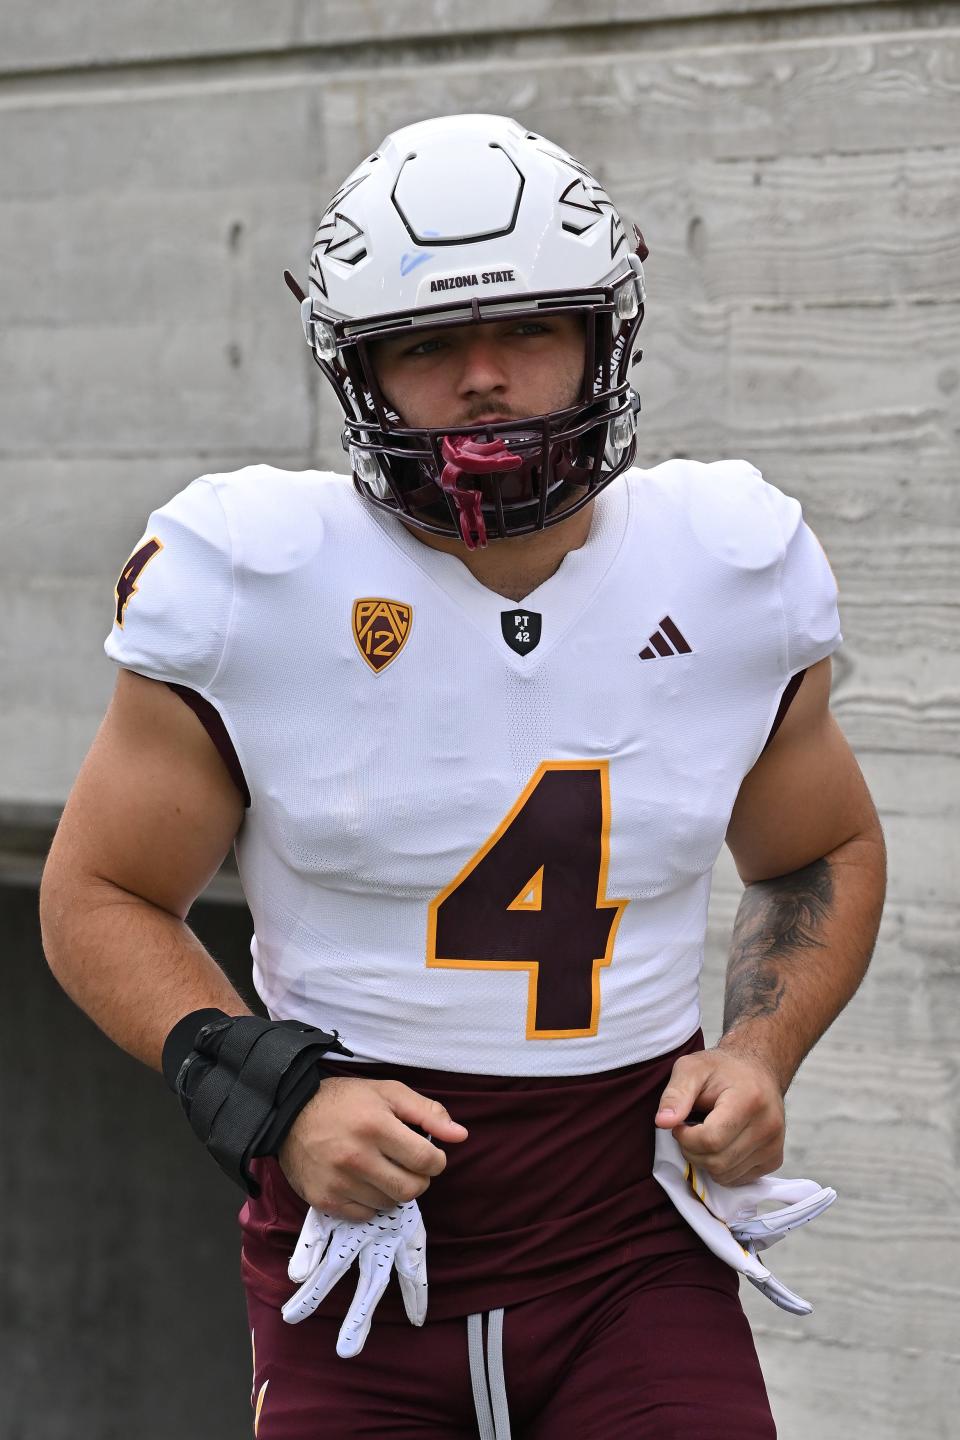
[734, 514]
[276, 517]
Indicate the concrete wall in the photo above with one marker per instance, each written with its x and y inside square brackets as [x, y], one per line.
[796, 170]
[121, 1309]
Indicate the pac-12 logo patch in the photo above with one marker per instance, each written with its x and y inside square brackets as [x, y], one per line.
[380, 628]
[521, 629]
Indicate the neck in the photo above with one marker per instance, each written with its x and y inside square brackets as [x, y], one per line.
[514, 567]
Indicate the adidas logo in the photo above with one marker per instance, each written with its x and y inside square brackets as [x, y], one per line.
[665, 640]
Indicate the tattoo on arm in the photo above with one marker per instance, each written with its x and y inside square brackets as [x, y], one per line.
[776, 921]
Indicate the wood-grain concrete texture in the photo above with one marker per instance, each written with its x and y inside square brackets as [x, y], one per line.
[796, 170]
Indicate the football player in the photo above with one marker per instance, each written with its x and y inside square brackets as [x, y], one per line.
[477, 720]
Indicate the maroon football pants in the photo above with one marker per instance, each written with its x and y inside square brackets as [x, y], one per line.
[659, 1352]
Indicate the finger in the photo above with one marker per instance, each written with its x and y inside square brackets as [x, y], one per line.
[370, 1181]
[753, 1167]
[357, 1214]
[317, 1229]
[739, 1164]
[345, 1244]
[717, 1145]
[375, 1264]
[415, 1109]
[410, 1151]
[411, 1266]
[781, 1295]
[684, 1090]
[381, 1177]
[378, 1187]
[711, 1135]
[793, 1196]
[736, 1117]
[766, 1229]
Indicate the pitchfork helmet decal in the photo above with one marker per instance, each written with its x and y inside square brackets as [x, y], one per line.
[473, 218]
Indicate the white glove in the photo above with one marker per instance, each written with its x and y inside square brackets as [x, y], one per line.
[727, 1217]
[328, 1247]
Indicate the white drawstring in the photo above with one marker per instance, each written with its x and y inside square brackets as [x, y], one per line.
[487, 1378]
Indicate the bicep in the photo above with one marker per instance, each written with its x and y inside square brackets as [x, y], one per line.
[805, 796]
[153, 810]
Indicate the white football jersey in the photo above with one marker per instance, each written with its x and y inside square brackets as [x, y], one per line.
[481, 832]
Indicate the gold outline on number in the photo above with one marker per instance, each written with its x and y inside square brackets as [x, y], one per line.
[434, 961]
[153, 540]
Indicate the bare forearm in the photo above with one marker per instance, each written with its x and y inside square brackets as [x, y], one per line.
[133, 968]
[801, 945]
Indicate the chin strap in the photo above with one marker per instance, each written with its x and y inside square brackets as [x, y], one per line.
[465, 456]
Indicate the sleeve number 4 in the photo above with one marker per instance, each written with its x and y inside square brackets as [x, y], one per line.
[131, 572]
[533, 898]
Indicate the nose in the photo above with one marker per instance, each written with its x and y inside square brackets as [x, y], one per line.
[482, 368]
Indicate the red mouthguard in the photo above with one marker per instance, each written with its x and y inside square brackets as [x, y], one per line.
[466, 456]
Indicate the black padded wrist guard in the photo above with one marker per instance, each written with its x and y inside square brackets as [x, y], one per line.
[242, 1081]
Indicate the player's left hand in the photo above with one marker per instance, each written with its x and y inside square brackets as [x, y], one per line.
[729, 1221]
[326, 1249]
[742, 1134]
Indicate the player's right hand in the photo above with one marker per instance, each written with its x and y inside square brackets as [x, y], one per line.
[351, 1151]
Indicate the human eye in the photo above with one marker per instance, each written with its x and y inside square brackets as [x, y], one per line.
[429, 345]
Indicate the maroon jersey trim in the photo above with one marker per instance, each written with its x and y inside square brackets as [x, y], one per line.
[786, 700]
[212, 721]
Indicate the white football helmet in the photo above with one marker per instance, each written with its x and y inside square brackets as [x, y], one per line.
[473, 218]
